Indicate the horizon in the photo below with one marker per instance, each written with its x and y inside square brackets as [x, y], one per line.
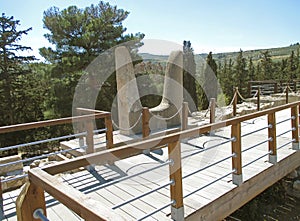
[215, 26]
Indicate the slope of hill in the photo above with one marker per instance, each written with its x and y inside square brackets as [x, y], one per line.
[276, 53]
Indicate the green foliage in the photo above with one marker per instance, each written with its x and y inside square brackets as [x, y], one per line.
[210, 84]
[189, 75]
[79, 36]
[241, 74]
[21, 89]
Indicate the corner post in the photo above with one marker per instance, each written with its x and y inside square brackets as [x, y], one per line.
[237, 176]
[295, 127]
[145, 121]
[177, 209]
[30, 199]
[184, 116]
[109, 132]
[272, 134]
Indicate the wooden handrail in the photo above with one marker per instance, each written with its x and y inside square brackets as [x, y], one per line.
[46, 123]
[76, 201]
[126, 151]
[80, 203]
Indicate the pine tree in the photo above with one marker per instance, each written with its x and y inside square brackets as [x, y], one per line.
[291, 69]
[79, 36]
[241, 74]
[12, 65]
[189, 75]
[266, 66]
[210, 85]
[251, 70]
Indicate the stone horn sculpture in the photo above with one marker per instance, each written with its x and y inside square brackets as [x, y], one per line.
[167, 113]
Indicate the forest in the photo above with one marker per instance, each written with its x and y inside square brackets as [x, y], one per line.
[33, 90]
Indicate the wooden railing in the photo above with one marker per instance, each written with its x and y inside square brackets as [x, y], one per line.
[41, 180]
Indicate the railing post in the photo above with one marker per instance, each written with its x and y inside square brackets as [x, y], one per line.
[235, 101]
[184, 116]
[1, 202]
[89, 126]
[258, 99]
[31, 198]
[295, 124]
[109, 132]
[145, 121]
[287, 94]
[237, 176]
[177, 209]
[272, 134]
[275, 88]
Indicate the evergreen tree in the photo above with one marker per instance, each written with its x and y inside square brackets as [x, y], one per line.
[266, 66]
[12, 66]
[189, 74]
[251, 70]
[79, 36]
[292, 67]
[241, 74]
[210, 84]
[22, 91]
[225, 74]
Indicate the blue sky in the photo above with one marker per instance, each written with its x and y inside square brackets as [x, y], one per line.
[210, 25]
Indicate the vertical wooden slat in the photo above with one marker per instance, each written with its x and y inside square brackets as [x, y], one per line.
[174, 150]
[272, 134]
[295, 126]
[109, 132]
[145, 121]
[185, 115]
[89, 126]
[31, 198]
[236, 148]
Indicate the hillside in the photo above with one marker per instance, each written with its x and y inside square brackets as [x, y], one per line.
[276, 53]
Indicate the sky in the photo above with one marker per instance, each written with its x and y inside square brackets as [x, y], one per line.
[210, 25]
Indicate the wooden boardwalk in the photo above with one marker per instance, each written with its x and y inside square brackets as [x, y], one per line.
[219, 197]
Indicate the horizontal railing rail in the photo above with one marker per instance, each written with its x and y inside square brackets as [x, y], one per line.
[44, 178]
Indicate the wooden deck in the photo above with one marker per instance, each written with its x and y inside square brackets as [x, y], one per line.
[222, 197]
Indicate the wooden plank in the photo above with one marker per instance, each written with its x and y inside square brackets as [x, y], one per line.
[46, 123]
[31, 198]
[81, 204]
[231, 201]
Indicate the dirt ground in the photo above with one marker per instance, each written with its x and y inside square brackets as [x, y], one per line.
[276, 203]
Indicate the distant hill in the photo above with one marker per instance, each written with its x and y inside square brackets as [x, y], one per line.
[276, 53]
